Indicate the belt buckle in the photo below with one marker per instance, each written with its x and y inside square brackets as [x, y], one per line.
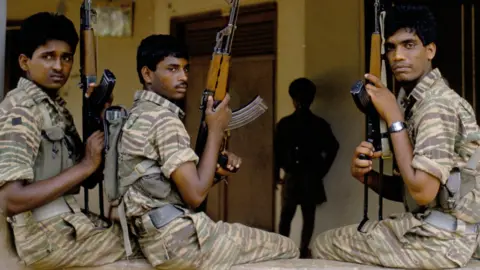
[139, 169]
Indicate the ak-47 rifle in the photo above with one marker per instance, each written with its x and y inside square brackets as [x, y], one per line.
[93, 101]
[217, 81]
[376, 130]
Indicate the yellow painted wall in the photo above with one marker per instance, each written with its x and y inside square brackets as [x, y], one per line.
[335, 60]
[316, 38]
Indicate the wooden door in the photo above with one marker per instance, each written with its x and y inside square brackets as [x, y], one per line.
[248, 197]
[250, 191]
[196, 84]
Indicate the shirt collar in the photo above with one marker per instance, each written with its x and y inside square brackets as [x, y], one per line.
[419, 92]
[144, 95]
[37, 94]
[425, 84]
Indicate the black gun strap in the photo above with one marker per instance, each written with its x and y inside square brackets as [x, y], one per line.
[380, 190]
[365, 203]
[365, 182]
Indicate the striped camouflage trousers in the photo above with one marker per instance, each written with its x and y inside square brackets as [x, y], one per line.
[68, 240]
[194, 241]
[401, 241]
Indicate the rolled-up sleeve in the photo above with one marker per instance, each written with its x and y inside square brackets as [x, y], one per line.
[173, 145]
[19, 142]
[436, 130]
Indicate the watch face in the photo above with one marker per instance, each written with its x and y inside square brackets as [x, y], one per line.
[397, 126]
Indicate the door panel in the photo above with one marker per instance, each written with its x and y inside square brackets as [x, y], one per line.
[196, 85]
[248, 197]
[250, 191]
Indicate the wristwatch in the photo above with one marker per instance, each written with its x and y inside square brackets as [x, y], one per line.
[397, 127]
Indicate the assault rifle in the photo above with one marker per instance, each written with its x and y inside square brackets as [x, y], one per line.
[94, 99]
[217, 81]
[376, 130]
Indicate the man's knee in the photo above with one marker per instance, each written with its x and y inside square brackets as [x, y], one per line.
[291, 248]
[322, 246]
[284, 246]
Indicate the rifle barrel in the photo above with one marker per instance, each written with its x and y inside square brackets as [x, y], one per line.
[231, 24]
[377, 9]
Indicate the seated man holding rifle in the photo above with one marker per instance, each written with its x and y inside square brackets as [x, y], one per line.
[435, 139]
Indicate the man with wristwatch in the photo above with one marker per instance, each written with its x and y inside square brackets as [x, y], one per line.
[434, 136]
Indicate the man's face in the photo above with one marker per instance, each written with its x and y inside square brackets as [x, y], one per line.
[50, 65]
[171, 78]
[408, 58]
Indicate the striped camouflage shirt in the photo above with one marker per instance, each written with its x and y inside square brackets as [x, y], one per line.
[153, 131]
[439, 121]
[21, 124]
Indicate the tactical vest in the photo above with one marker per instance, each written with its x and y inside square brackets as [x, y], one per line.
[143, 174]
[55, 155]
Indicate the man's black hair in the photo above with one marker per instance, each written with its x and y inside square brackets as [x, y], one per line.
[153, 49]
[302, 90]
[42, 27]
[415, 18]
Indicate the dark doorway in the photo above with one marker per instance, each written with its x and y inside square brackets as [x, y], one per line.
[12, 70]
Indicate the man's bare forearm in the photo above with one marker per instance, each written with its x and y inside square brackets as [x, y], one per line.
[208, 162]
[422, 186]
[20, 197]
[392, 186]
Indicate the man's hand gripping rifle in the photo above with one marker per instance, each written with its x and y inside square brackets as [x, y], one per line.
[96, 95]
[376, 130]
[217, 82]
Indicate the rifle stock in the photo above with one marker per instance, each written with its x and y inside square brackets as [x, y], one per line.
[88, 59]
[375, 57]
[94, 99]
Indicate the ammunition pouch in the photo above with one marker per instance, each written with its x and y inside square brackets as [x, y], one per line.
[450, 223]
[156, 219]
[449, 193]
[459, 183]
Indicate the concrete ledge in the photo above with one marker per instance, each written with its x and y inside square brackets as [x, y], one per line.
[120, 265]
[303, 264]
[298, 264]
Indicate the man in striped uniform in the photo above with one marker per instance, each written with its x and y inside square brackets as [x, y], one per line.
[41, 157]
[432, 149]
[175, 180]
